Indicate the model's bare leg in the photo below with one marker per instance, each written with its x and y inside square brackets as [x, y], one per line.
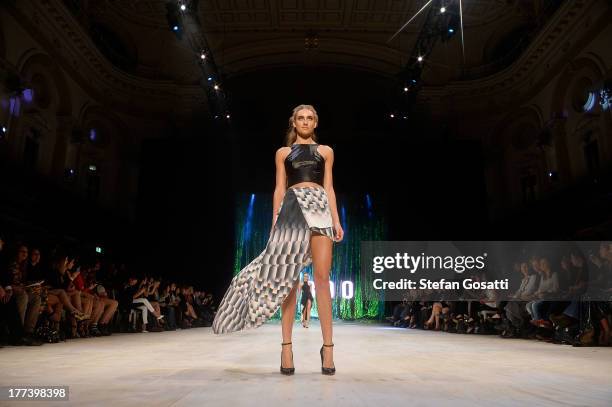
[321, 249]
[308, 307]
[287, 317]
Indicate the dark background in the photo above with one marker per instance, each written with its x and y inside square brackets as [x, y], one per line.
[429, 186]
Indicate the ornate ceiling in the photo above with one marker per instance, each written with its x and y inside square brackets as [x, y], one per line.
[247, 35]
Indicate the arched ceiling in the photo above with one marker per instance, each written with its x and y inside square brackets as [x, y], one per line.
[247, 35]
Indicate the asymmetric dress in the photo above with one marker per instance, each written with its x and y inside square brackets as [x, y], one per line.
[259, 289]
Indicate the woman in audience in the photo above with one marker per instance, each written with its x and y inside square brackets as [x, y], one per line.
[549, 286]
[136, 294]
[56, 282]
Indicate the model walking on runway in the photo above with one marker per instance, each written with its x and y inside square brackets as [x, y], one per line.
[305, 224]
[305, 294]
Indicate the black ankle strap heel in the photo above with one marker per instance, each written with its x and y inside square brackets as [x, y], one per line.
[326, 370]
[287, 370]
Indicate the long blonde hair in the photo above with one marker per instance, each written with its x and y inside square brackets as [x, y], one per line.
[291, 132]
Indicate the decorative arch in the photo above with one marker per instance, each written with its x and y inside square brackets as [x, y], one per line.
[105, 151]
[580, 68]
[34, 64]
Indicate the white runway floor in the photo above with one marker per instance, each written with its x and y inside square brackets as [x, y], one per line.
[376, 366]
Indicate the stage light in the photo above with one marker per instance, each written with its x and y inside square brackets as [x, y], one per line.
[93, 168]
[173, 18]
[392, 115]
[210, 79]
[442, 9]
[183, 7]
[405, 88]
[451, 31]
[420, 59]
[99, 249]
[3, 130]
[203, 55]
[92, 135]
[216, 87]
[227, 116]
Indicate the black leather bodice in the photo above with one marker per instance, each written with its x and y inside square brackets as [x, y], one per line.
[304, 164]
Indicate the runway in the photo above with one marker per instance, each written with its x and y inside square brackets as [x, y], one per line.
[377, 365]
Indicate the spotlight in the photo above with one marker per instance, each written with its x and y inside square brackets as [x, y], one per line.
[99, 249]
[227, 116]
[173, 19]
[210, 78]
[93, 168]
[420, 59]
[3, 130]
[442, 9]
[183, 7]
[203, 55]
[406, 89]
[216, 87]
[392, 115]
[92, 135]
[451, 30]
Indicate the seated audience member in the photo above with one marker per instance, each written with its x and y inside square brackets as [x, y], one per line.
[166, 300]
[549, 285]
[104, 311]
[88, 299]
[134, 292]
[27, 298]
[51, 303]
[56, 283]
[515, 310]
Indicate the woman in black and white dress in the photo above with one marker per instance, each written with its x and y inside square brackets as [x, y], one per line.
[305, 224]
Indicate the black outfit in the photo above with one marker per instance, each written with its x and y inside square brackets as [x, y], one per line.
[304, 164]
[127, 297]
[56, 280]
[306, 294]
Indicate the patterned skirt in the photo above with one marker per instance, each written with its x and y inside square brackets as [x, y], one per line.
[257, 292]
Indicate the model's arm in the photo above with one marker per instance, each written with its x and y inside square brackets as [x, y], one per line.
[281, 182]
[328, 184]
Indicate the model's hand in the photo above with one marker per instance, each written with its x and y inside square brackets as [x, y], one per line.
[339, 232]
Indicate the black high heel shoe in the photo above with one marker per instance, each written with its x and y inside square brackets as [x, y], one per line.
[326, 370]
[287, 370]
